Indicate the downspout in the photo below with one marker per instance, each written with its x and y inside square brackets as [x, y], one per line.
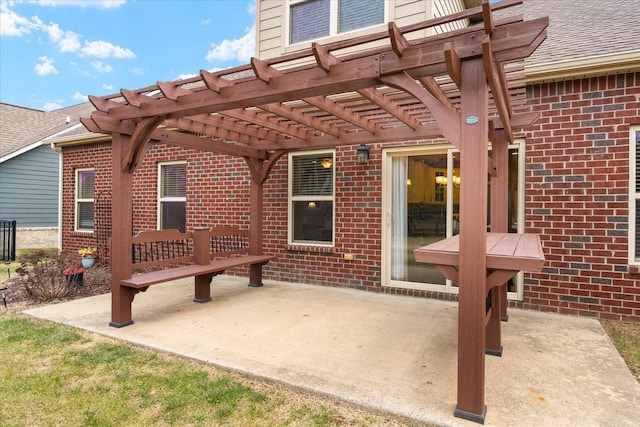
[60, 164]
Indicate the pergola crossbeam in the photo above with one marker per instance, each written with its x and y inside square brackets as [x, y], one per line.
[461, 85]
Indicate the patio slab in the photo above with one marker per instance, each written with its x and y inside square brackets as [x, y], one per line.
[391, 353]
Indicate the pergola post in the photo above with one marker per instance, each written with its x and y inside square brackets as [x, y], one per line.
[473, 240]
[121, 232]
[255, 228]
[499, 224]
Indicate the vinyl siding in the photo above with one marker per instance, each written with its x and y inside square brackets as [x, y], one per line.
[271, 23]
[29, 188]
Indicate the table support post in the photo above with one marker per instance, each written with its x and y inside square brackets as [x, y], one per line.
[499, 224]
[473, 241]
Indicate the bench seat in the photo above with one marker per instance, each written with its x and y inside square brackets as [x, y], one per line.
[144, 280]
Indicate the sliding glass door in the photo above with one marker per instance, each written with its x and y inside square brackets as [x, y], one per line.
[421, 193]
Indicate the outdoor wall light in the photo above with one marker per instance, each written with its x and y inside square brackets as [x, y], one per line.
[363, 154]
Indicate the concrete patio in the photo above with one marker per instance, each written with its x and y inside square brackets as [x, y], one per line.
[391, 353]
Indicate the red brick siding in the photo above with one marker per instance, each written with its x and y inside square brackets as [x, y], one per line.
[577, 180]
[577, 172]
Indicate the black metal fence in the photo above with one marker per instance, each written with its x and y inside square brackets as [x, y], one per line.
[8, 240]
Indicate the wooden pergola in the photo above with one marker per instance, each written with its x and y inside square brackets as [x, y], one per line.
[464, 85]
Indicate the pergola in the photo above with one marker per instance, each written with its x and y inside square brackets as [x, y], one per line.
[465, 85]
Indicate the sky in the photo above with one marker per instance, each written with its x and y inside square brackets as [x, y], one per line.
[54, 53]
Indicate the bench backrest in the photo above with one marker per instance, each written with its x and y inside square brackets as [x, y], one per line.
[157, 248]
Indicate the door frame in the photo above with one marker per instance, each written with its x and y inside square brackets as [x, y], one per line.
[386, 222]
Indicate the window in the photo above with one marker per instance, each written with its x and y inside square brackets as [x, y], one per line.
[634, 196]
[85, 182]
[311, 182]
[172, 198]
[312, 19]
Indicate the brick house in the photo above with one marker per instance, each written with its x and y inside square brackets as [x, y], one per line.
[571, 176]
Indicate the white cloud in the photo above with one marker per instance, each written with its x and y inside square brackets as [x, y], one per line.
[100, 4]
[45, 66]
[241, 49]
[103, 68]
[12, 24]
[50, 106]
[107, 87]
[186, 76]
[251, 9]
[205, 22]
[67, 41]
[102, 49]
[80, 97]
[139, 70]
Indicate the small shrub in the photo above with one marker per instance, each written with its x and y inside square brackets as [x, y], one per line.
[41, 273]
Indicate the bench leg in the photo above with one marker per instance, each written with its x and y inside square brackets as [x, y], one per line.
[121, 300]
[203, 288]
[255, 275]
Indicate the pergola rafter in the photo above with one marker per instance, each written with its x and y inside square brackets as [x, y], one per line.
[462, 85]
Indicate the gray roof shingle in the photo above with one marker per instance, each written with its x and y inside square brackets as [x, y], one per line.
[585, 28]
[21, 126]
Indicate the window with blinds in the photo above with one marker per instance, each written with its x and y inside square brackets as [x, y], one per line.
[311, 184]
[172, 197]
[313, 19]
[85, 183]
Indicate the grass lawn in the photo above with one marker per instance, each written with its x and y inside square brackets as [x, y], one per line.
[52, 374]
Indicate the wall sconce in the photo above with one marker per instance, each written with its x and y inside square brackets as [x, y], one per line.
[363, 154]
[409, 182]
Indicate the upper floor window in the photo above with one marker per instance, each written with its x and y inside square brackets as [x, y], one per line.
[634, 196]
[172, 195]
[85, 183]
[313, 19]
[311, 182]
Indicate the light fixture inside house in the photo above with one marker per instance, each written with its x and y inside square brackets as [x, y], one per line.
[311, 205]
[409, 182]
[441, 180]
[326, 163]
[363, 154]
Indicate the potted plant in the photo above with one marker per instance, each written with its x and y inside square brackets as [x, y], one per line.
[74, 275]
[88, 256]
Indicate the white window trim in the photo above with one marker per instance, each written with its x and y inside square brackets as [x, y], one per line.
[159, 192]
[291, 199]
[388, 153]
[633, 196]
[333, 26]
[77, 202]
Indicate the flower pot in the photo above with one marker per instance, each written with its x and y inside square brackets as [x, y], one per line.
[75, 279]
[87, 262]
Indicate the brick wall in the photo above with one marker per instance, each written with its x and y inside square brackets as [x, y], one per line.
[577, 173]
[577, 180]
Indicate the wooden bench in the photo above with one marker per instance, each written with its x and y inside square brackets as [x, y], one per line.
[202, 254]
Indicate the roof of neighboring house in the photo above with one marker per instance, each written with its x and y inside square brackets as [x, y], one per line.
[21, 127]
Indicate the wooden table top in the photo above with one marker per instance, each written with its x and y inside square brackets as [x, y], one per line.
[505, 251]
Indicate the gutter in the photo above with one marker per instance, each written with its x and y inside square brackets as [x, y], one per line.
[608, 64]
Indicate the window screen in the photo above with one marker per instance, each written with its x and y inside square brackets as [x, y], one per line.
[311, 209]
[354, 14]
[309, 20]
[85, 183]
[172, 198]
